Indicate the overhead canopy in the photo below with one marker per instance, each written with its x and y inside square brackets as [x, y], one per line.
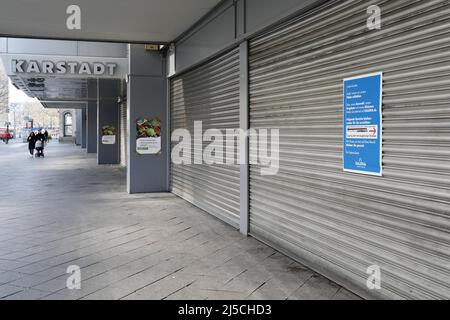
[57, 72]
[155, 21]
[52, 88]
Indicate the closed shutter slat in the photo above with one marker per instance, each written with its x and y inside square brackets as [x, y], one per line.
[209, 93]
[339, 223]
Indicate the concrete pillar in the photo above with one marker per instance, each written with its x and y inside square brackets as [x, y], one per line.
[108, 115]
[91, 114]
[77, 128]
[147, 98]
[83, 128]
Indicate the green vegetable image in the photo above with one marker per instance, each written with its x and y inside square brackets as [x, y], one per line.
[148, 128]
[108, 131]
[151, 132]
[155, 122]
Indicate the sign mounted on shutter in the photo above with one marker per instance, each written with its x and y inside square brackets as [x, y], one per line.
[363, 124]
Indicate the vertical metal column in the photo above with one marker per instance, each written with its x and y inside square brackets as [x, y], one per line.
[108, 114]
[83, 128]
[91, 127]
[244, 143]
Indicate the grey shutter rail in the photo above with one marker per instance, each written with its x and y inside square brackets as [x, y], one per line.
[123, 134]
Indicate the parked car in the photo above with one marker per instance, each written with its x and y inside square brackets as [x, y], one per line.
[5, 135]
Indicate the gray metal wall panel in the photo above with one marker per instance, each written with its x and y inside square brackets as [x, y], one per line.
[338, 223]
[219, 32]
[240, 18]
[145, 63]
[209, 94]
[63, 48]
[40, 46]
[3, 45]
[262, 12]
[102, 49]
[229, 24]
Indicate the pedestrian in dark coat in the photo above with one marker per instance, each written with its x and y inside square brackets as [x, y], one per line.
[31, 143]
[40, 136]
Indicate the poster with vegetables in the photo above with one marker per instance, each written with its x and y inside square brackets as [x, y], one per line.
[109, 135]
[148, 136]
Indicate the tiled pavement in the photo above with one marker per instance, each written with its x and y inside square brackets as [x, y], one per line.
[65, 210]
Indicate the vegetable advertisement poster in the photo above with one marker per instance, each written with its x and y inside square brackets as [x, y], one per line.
[148, 136]
[109, 135]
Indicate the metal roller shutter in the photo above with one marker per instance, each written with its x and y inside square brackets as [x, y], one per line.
[209, 93]
[339, 223]
[123, 134]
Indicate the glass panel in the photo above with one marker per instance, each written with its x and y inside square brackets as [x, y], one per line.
[67, 119]
[68, 131]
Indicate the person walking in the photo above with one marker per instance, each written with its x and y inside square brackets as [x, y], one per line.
[46, 136]
[40, 138]
[31, 143]
[40, 135]
[40, 148]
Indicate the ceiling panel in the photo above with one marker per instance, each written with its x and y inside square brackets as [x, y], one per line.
[103, 20]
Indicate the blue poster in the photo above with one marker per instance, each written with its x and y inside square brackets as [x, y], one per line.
[363, 124]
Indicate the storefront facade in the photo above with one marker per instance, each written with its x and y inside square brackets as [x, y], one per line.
[290, 67]
[290, 76]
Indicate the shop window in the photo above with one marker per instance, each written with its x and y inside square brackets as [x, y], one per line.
[68, 128]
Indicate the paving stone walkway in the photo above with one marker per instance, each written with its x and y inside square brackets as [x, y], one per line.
[65, 210]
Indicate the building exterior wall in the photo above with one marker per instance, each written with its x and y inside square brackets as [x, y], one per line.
[342, 224]
[62, 48]
[316, 210]
[231, 23]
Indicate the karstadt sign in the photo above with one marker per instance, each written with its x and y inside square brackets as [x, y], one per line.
[70, 66]
[63, 67]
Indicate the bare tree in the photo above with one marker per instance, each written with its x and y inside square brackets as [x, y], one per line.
[41, 116]
[4, 96]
